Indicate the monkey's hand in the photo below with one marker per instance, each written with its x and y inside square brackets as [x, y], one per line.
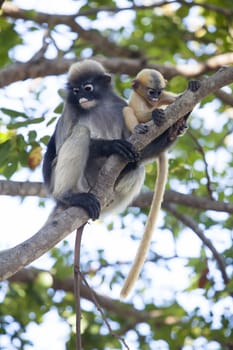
[105, 148]
[141, 128]
[87, 201]
[193, 85]
[158, 116]
[124, 149]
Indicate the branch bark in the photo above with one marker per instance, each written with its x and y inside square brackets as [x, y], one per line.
[188, 200]
[45, 67]
[22, 188]
[61, 223]
[26, 188]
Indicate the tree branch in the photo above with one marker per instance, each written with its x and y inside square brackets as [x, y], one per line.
[45, 67]
[26, 188]
[186, 220]
[221, 10]
[200, 150]
[62, 223]
[226, 98]
[144, 200]
[22, 188]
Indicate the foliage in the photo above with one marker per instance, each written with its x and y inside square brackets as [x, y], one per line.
[179, 34]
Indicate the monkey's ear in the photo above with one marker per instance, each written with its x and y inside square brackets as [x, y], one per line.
[135, 84]
[107, 78]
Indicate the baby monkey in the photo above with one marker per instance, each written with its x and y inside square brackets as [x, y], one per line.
[146, 97]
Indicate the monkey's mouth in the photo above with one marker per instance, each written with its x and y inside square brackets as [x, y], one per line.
[86, 104]
[153, 101]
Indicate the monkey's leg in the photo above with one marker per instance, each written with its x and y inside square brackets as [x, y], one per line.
[87, 201]
[162, 173]
[126, 189]
[70, 185]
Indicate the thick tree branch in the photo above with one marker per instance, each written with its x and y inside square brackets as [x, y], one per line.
[45, 67]
[61, 224]
[26, 188]
[187, 200]
[22, 188]
[137, 61]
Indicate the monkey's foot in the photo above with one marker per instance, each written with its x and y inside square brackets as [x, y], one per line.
[177, 129]
[158, 116]
[194, 85]
[87, 201]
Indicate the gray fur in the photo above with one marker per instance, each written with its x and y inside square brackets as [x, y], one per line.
[74, 169]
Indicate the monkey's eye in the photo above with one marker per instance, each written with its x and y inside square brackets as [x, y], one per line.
[88, 87]
[154, 93]
[76, 90]
[151, 91]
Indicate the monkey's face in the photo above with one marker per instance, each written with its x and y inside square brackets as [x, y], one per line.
[153, 95]
[87, 91]
[149, 94]
[85, 95]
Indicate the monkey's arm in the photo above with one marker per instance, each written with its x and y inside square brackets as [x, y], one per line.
[166, 98]
[105, 148]
[134, 121]
[130, 118]
[49, 157]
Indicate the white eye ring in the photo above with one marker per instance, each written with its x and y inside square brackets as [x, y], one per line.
[88, 87]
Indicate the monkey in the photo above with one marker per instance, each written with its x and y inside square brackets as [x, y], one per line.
[90, 129]
[147, 96]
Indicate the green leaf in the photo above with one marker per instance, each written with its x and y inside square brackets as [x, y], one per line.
[13, 114]
[27, 122]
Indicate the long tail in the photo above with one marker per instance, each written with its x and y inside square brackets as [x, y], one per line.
[160, 184]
